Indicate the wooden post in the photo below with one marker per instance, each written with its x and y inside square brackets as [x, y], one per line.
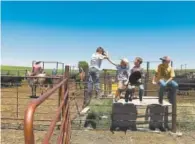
[174, 114]
[146, 79]
[105, 82]
[109, 84]
[66, 75]
[60, 96]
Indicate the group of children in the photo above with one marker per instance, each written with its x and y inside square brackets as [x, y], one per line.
[129, 78]
[123, 75]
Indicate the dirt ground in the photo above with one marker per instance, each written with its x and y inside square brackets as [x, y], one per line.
[46, 111]
[103, 137]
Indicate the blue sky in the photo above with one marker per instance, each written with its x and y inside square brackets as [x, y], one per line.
[71, 31]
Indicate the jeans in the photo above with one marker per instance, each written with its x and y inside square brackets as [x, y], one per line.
[94, 75]
[172, 92]
[129, 92]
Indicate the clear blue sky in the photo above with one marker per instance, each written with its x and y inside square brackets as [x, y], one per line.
[71, 31]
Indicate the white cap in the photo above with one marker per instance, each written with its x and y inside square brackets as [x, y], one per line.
[125, 60]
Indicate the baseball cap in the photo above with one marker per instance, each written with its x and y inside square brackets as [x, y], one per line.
[165, 58]
[125, 60]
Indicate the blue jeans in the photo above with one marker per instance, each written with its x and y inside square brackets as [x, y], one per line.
[130, 91]
[94, 76]
[172, 92]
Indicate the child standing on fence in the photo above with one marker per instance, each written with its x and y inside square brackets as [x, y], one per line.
[164, 77]
[36, 69]
[136, 70]
[94, 73]
[122, 76]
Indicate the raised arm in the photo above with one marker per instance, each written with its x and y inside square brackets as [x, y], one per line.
[112, 62]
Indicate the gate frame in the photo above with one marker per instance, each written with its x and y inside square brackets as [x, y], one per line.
[51, 62]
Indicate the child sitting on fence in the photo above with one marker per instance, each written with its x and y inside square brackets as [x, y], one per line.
[164, 77]
[122, 76]
[136, 79]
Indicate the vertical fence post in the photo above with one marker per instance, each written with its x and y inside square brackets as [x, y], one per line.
[174, 111]
[146, 79]
[43, 65]
[57, 68]
[174, 114]
[66, 75]
[17, 100]
[60, 96]
[109, 83]
[104, 82]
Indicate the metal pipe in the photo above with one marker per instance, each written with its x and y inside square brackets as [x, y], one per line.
[29, 113]
[54, 121]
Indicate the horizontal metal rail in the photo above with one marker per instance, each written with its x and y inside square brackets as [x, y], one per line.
[29, 113]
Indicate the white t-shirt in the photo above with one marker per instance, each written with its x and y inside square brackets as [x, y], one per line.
[96, 60]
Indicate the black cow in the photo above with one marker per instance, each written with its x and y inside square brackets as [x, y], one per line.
[7, 80]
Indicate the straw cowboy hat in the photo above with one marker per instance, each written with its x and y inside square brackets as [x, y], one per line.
[125, 60]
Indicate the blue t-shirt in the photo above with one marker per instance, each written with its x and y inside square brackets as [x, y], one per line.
[122, 73]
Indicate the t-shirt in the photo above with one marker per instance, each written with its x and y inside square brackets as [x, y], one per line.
[122, 73]
[141, 70]
[164, 72]
[96, 60]
[37, 68]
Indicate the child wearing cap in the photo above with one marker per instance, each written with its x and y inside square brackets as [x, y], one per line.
[164, 75]
[122, 76]
[139, 82]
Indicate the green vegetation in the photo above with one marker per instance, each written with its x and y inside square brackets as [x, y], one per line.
[84, 65]
[20, 70]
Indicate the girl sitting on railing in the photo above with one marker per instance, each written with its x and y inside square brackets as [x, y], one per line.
[122, 76]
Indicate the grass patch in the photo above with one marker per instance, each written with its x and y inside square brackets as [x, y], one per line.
[186, 116]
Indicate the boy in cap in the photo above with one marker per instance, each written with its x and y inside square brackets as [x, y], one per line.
[138, 82]
[164, 77]
[122, 76]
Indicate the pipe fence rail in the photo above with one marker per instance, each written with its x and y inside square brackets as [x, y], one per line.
[62, 112]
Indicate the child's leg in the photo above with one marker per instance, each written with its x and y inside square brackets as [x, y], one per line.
[128, 95]
[141, 91]
[133, 91]
[118, 91]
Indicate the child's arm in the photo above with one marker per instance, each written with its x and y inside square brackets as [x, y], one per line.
[172, 75]
[127, 80]
[112, 62]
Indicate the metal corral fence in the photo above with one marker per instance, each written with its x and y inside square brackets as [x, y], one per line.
[63, 97]
[62, 114]
[180, 116]
[14, 100]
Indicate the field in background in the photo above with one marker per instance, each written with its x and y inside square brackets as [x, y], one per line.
[15, 70]
[20, 70]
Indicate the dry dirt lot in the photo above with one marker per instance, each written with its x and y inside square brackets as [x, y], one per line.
[103, 137]
[47, 110]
